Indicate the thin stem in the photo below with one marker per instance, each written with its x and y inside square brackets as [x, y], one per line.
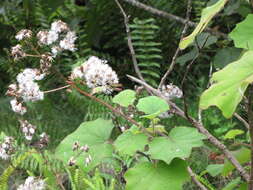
[242, 120]
[129, 41]
[173, 62]
[30, 55]
[195, 180]
[250, 119]
[57, 89]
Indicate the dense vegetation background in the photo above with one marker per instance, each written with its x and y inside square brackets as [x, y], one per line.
[100, 28]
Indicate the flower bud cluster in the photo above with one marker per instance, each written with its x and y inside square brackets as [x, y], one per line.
[96, 73]
[27, 129]
[6, 148]
[31, 183]
[45, 63]
[26, 90]
[76, 147]
[17, 52]
[60, 36]
[44, 140]
[171, 91]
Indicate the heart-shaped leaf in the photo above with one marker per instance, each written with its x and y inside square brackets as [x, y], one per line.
[178, 144]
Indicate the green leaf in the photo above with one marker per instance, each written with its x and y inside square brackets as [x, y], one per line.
[214, 169]
[242, 155]
[178, 144]
[93, 133]
[152, 106]
[125, 98]
[231, 185]
[207, 14]
[225, 56]
[129, 142]
[233, 133]
[243, 34]
[149, 176]
[243, 186]
[229, 85]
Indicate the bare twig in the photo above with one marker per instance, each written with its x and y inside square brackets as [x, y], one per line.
[250, 119]
[242, 120]
[171, 16]
[56, 89]
[195, 180]
[173, 62]
[129, 41]
[200, 127]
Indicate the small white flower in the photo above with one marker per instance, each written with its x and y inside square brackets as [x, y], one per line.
[68, 43]
[3, 154]
[6, 148]
[17, 52]
[18, 107]
[171, 91]
[52, 37]
[85, 148]
[88, 160]
[42, 37]
[31, 183]
[28, 129]
[59, 26]
[55, 50]
[22, 34]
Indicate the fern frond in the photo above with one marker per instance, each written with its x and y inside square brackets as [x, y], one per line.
[148, 52]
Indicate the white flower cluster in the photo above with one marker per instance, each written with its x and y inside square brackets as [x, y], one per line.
[23, 34]
[96, 73]
[171, 91]
[6, 148]
[31, 183]
[59, 36]
[27, 129]
[26, 89]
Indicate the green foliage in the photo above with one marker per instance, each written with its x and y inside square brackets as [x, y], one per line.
[147, 50]
[242, 34]
[152, 106]
[242, 155]
[225, 56]
[233, 133]
[125, 98]
[130, 141]
[233, 184]
[206, 15]
[95, 134]
[214, 169]
[4, 178]
[229, 85]
[178, 144]
[159, 176]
